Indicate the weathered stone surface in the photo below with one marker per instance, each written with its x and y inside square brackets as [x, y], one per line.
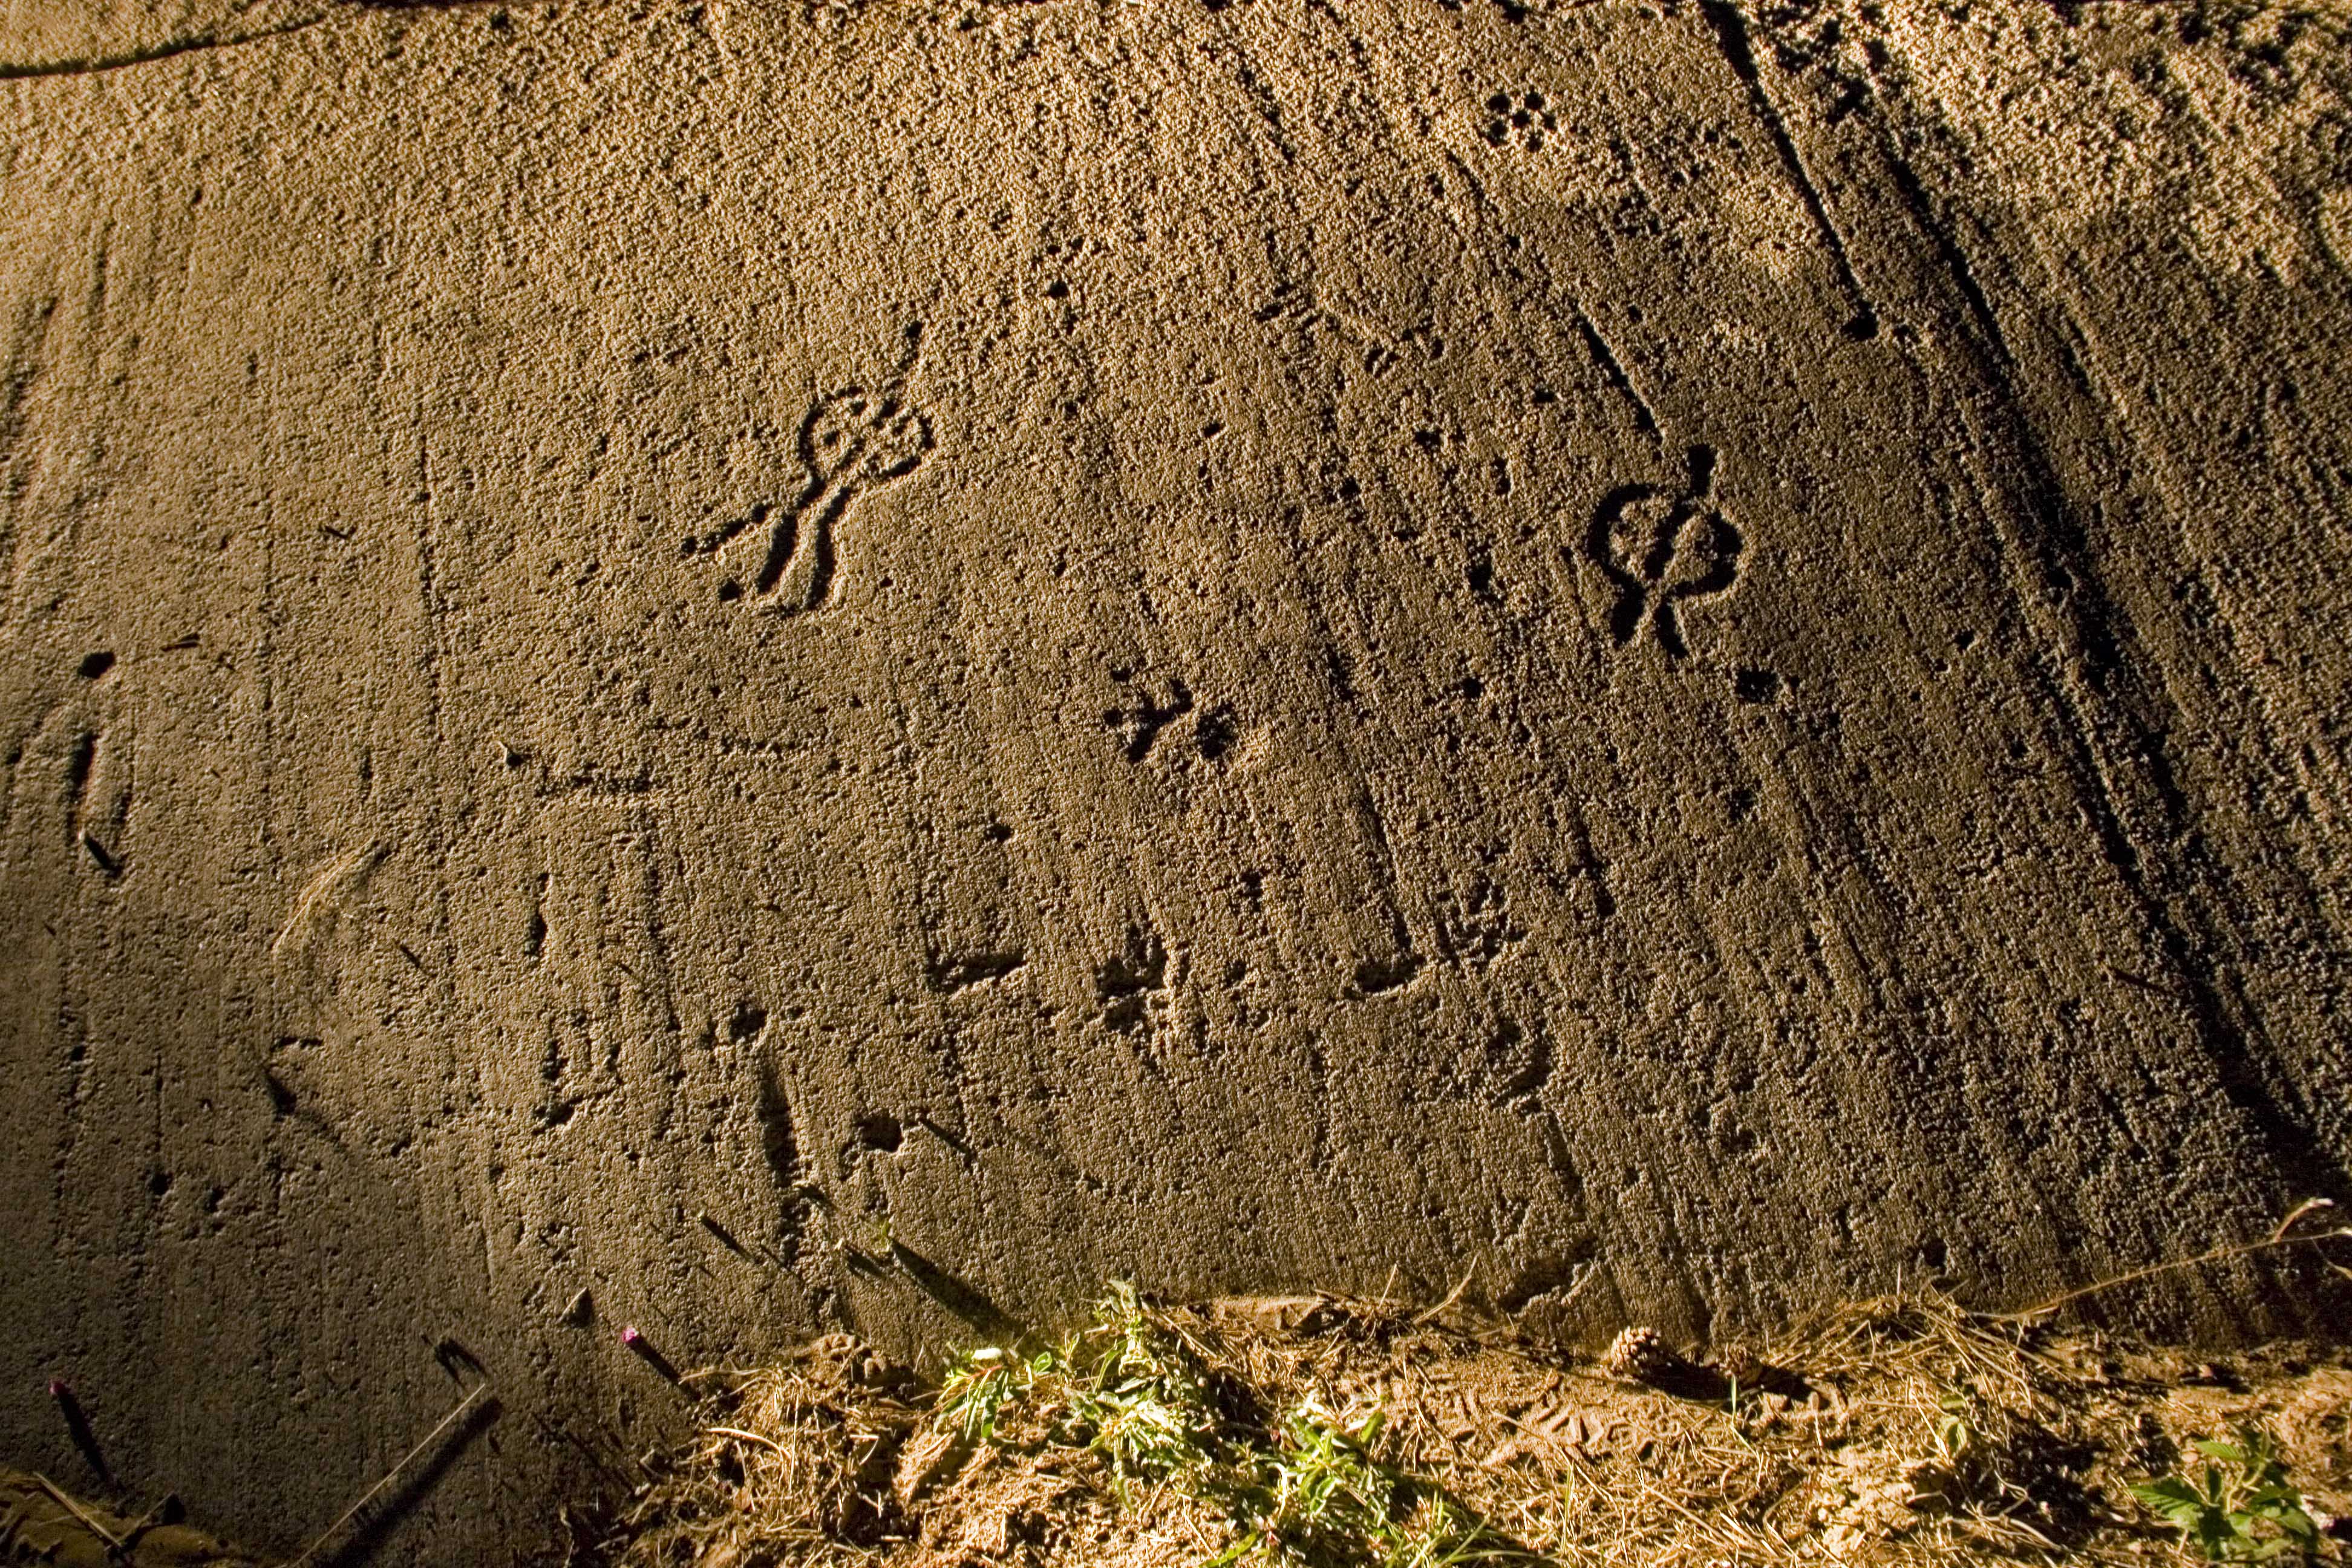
[1685, 656]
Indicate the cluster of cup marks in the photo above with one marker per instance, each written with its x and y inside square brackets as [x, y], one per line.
[1525, 116]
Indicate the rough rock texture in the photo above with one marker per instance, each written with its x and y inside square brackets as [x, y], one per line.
[783, 664]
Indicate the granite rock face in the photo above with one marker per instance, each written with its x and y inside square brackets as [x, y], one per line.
[858, 666]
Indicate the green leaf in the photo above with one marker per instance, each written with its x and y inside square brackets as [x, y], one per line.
[2214, 1535]
[2298, 1524]
[2173, 1498]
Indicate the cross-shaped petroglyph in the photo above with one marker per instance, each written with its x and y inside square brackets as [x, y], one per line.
[850, 442]
[1660, 550]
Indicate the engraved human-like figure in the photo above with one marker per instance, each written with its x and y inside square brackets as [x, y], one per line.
[1659, 548]
[849, 442]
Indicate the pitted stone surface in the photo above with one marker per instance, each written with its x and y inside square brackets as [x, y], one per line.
[746, 671]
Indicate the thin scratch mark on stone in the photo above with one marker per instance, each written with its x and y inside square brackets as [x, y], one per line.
[1732, 37]
[330, 884]
[88, 65]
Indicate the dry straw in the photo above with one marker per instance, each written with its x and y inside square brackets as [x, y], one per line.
[1899, 1431]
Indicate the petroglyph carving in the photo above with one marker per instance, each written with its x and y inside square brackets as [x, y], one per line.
[1126, 982]
[1520, 118]
[850, 442]
[1660, 551]
[1139, 726]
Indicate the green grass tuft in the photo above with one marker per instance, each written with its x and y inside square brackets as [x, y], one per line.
[1304, 1489]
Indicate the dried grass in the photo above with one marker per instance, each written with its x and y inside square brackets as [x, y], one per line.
[1901, 1431]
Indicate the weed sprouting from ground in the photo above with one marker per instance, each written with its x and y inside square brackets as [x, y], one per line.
[1139, 1396]
[1318, 1496]
[979, 1384]
[2242, 1509]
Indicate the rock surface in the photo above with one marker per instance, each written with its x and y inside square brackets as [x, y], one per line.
[847, 665]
